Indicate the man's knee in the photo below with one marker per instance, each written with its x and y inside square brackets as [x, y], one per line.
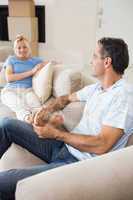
[4, 122]
[11, 124]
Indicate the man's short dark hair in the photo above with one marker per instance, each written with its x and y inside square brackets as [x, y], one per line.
[117, 50]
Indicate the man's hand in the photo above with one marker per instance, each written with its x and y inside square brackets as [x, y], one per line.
[47, 131]
[42, 116]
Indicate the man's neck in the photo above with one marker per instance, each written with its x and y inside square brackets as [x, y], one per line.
[108, 80]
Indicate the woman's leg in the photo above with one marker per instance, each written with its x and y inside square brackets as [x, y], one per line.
[32, 100]
[33, 103]
[15, 100]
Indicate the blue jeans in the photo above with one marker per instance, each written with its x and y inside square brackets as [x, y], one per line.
[54, 152]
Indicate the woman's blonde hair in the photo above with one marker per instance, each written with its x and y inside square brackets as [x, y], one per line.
[21, 38]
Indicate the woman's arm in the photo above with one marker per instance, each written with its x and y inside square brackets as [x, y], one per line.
[11, 76]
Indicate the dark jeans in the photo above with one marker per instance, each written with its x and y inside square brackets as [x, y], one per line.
[54, 152]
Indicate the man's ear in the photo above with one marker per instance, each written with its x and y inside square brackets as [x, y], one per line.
[107, 62]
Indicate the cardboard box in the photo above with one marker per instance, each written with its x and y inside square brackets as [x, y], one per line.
[21, 8]
[34, 48]
[28, 26]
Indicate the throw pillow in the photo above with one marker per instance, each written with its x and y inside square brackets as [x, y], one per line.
[72, 114]
[42, 82]
[66, 81]
[5, 51]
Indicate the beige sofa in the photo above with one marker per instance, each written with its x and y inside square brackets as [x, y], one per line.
[109, 176]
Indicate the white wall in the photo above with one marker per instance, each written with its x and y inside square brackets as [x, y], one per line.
[70, 30]
[115, 19]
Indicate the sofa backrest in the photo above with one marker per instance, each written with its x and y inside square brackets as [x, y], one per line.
[66, 80]
[5, 51]
[130, 140]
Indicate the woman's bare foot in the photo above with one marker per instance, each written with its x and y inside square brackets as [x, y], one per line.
[29, 118]
[56, 120]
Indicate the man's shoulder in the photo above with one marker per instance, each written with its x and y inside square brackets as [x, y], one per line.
[93, 86]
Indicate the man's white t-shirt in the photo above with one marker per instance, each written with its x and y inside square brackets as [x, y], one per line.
[108, 107]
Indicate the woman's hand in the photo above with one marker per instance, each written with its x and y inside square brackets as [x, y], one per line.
[39, 66]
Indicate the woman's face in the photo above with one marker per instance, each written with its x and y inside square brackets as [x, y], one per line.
[22, 50]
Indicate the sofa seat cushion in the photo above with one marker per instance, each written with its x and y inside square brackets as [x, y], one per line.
[6, 111]
[18, 157]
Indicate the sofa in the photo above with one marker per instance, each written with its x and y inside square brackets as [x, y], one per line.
[106, 177]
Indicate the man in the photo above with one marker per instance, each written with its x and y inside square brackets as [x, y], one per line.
[103, 127]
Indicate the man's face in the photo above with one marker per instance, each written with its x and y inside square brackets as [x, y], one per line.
[98, 65]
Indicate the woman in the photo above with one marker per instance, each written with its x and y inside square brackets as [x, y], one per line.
[18, 93]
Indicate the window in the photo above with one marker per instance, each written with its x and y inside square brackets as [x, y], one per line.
[40, 13]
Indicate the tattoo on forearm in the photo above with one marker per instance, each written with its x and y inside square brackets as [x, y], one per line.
[44, 114]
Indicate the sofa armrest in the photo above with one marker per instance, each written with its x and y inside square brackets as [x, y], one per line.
[109, 176]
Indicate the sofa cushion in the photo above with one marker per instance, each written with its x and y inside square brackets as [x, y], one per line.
[42, 82]
[72, 114]
[18, 157]
[66, 81]
[5, 51]
[130, 140]
[6, 111]
[129, 90]
[1, 65]
[129, 74]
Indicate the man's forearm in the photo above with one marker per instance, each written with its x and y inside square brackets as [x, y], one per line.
[58, 103]
[45, 113]
[84, 143]
[61, 102]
